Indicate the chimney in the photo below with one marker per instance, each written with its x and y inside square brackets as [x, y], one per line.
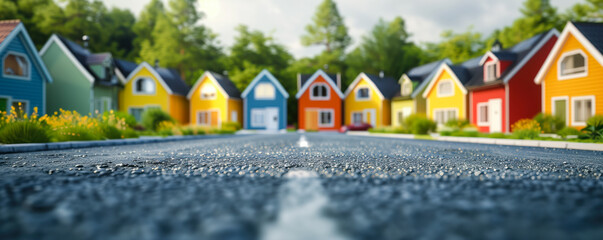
[381, 74]
[225, 73]
[496, 46]
[85, 39]
[339, 80]
[298, 81]
[156, 63]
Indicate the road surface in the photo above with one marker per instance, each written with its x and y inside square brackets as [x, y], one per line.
[302, 186]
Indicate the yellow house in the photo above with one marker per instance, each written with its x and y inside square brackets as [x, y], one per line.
[409, 99]
[153, 87]
[446, 95]
[572, 74]
[367, 100]
[214, 99]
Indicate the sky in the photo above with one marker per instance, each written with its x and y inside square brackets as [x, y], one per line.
[285, 20]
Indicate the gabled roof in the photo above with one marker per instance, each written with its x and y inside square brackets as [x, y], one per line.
[123, 69]
[169, 78]
[590, 35]
[225, 85]
[306, 83]
[271, 78]
[305, 77]
[386, 87]
[9, 29]
[422, 74]
[460, 74]
[519, 55]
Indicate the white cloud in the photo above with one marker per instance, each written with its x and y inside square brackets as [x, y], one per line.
[286, 19]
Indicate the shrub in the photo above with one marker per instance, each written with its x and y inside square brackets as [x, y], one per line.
[549, 123]
[152, 117]
[497, 135]
[567, 131]
[526, 129]
[109, 131]
[235, 126]
[168, 128]
[418, 124]
[74, 133]
[129, 120]
[594, 128]
[129, 133]
[23, 132]
[457, 124]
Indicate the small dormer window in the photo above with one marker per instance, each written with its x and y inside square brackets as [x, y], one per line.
[490, 70]
[15, 65]
[406, 88]
[144, 86]
[363, 93]
[573, 64]
[208, 92]
[445, 88]
[319, 92]
[264, 91]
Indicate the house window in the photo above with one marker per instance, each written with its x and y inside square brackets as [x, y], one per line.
[357, 118]
[445, 89]
[208, 92]
[561, 108]
[137, 113]
[102, 104]
[400, 118]
[362, 94]
[482, 114]
[406, 88]
[264, 91]
[582, 109]
[325, 118]
[442, 116]
[491, 71]
[234, 116]
[204, 118]
[144, 86]
[20, 106]
[573, 64]
[257, 118]
[319, 92]
[16, 65]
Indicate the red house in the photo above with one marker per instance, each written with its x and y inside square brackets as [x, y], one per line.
[319, 101]
[503, 90]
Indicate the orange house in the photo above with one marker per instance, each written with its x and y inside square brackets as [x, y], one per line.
[319, 102]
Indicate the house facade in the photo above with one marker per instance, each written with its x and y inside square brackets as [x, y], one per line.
[368, 100]
[214, 99]
[570, 78]
[149, 87]
[500, 88]
[319, 102]
[24, 76]
[265, 103]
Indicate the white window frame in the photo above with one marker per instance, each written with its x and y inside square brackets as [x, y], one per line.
[332, 123]
[204, 86]
[361, 116]
[25, 110]
[26, 78]
[312, 97]
[357, 94]
[435, 111]
[480, 121]
[440, 94]
[573, 111]
[496, 71]
[136, 92]
[574, 75]
[567, 110]
[406, 86]
[254, 121]
[257, 97]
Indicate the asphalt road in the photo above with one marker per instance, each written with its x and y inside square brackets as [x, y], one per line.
[315, 186]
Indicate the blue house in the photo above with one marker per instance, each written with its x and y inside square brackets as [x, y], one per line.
[265, 108]
[24, 75]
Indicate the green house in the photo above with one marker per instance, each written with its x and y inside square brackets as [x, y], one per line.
[83, 81]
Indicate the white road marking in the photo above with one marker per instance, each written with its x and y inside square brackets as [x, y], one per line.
[303, 142]
[302, 202]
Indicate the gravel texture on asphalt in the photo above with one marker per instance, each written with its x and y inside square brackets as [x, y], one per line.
[231, 188]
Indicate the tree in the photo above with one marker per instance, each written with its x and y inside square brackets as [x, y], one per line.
[459, 47]
[327, 29]
[145, 24]
[591, 11]
[386, 49]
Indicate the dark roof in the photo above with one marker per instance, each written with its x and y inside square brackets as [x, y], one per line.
[305, 77]
[387, 85]
[227, 85]
[86, 58]
[171, 77]
[6, 27]
[462, 73]
[593, 32]
[419, 73]
[515, 54]
[125, 67]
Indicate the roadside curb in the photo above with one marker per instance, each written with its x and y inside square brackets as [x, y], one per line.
[34, 147]
[495, 141]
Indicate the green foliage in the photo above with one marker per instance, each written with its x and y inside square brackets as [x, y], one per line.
[591, 11]
[567, 131]
[549, 123]
[109, 131]
[419, 124]
[153, 117]
[234, 126]
[129, 119]
[23, 132]
[130, 133]
[526, 129]
[497, 135]
[459, 47]
[594, 128]
[75, 133]
[457, 124]
[327, 28]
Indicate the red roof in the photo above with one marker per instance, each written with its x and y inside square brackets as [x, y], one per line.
[6, 27]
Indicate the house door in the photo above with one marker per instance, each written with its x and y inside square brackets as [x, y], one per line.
[370, 117]
[495, 115]
[311, 120]
[3, 104]
[271, 118]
